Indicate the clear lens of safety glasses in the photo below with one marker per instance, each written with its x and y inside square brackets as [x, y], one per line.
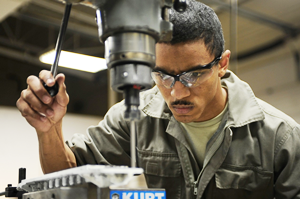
[195, 78]
[189, 79]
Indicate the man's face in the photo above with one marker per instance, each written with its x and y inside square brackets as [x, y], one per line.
[194, 104]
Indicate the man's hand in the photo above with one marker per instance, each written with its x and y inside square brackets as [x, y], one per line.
[40, 109]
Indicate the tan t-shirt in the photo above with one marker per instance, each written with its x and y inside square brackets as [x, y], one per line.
[199, 133]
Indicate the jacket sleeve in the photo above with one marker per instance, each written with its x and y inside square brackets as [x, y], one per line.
[107, 143]
[287, 165]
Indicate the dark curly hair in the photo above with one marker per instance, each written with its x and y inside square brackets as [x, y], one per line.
[198, 22]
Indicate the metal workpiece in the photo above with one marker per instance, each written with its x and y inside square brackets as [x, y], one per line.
[99, 175]
[84, 191]
[85, 182]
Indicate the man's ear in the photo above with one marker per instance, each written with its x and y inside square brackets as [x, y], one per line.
[224, 63]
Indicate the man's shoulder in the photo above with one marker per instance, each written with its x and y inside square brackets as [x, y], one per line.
[276, 115]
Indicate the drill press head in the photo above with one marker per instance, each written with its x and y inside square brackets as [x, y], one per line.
[129, 30]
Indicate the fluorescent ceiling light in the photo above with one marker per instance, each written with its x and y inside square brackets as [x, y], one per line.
[75, 61]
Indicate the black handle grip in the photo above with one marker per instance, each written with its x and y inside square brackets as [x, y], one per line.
[51, 90]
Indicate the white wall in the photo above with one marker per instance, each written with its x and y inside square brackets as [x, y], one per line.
[19, 146]
[276, 82]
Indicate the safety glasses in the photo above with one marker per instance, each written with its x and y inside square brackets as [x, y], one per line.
[191, 78]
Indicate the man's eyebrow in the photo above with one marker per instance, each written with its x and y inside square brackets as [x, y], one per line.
[158, 68]
[196, 67]
[162, 70]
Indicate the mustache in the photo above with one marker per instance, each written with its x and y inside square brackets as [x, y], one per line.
[181, 102]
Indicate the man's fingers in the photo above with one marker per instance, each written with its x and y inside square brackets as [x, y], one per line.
[36, 86]
[28, 112]
[62, 97]
[35, 103]
[47, 77]
[37, 106]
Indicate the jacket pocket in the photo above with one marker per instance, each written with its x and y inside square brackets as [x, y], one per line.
[159, 164]
[243, 177]
[162, 170]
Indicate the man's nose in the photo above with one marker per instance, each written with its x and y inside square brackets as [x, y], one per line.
[179, 91]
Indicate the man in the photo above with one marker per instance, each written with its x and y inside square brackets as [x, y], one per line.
[202, 132]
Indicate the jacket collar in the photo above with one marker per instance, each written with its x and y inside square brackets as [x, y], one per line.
[243, 107]
[154, 105]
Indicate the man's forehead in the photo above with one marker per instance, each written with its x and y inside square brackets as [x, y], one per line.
[175, 71]
[178, 58]
[199, 43]
[182, 51]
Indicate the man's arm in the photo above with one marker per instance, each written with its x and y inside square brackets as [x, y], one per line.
[45, 114]
[287, 164]
[55, 155]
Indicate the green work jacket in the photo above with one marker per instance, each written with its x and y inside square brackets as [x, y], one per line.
[255, 153]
